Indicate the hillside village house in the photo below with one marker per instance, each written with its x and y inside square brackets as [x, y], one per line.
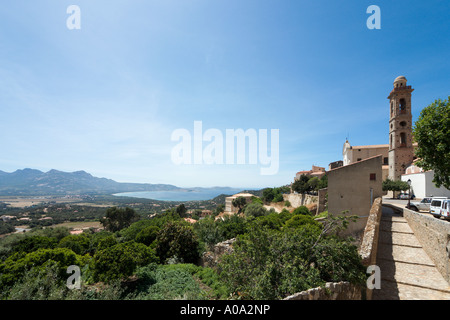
[229, 208]
[315, 171]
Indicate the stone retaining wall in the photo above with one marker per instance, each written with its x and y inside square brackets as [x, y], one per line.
[434, 236]
[332, 291]
[296, 199]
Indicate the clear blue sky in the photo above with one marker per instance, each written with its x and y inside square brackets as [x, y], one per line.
[106, 98]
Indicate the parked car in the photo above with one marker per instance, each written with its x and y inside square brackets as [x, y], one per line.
[405, 196]
[436, 206]
[423, 205]
[445, 211]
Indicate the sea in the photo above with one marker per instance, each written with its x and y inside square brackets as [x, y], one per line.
[183, 195]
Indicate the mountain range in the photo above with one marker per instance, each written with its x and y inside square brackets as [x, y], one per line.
[28, 182]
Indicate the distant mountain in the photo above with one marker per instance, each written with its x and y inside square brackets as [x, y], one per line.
[29, 182]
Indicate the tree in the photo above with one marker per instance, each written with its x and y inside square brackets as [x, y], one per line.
[147, 235]
[181, 210]
[302, 210]
[267, 195]
[18, 264]
[177, 240]
[118, 218]
[239, 203]
[121, 260]
[77, 243]
[255, 210]
[301, 184]
[432, 133]
[397, 185]
[314, 184]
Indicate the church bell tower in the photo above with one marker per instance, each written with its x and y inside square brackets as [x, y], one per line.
[401, 151]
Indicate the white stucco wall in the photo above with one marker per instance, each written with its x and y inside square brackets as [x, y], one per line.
[423, 186]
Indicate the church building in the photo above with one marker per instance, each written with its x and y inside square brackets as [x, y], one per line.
[399, 153]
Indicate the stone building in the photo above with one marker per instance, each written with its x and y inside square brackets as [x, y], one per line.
[314, 172]
[399, 153]
[401, 150]
[353, 188]
[229, 208]
[352, 154]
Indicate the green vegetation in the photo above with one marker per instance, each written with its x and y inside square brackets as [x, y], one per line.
[397, 185]
[274, 194]
[275, 254]
[306, 184]
[432, 133]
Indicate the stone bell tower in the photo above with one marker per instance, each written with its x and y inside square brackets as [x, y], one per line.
[401, 151]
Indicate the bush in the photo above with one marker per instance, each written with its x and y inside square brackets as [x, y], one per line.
[130, 233]
[121, 260]
[14, 268]
[167, 282]
[232, 226]
[268, 264]
[300, 220]
[33, 243]
[177, 240]
[77, 243]
[147, 235]
[117, 219]
[209, 232]
[301, 210]
[255, 210]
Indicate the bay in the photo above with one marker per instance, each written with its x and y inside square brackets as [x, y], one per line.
[182, 195]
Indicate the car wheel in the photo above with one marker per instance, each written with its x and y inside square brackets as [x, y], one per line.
[414, 208]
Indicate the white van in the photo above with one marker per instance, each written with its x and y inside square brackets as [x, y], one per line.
[445, 209]
[436, 206]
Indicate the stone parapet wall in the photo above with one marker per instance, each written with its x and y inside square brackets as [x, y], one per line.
[369, 244]
[434, 236]
[332, 291]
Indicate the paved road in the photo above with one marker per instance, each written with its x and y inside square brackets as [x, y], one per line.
[403, 203]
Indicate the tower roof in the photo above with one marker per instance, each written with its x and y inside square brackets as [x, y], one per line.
[399, 78]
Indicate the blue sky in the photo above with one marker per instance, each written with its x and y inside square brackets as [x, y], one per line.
[106, 98]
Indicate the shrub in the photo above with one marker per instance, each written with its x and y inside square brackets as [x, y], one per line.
[147, 235]
[177, 240]
[301, 210]
[255, 210]
[77, 243]
[121, 260]
[167, 282]
[268, 264]
[15, 266]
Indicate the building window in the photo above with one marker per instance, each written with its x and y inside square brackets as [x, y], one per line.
[385, 160]
[373, 176]
[402, 139]
[402, 106]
